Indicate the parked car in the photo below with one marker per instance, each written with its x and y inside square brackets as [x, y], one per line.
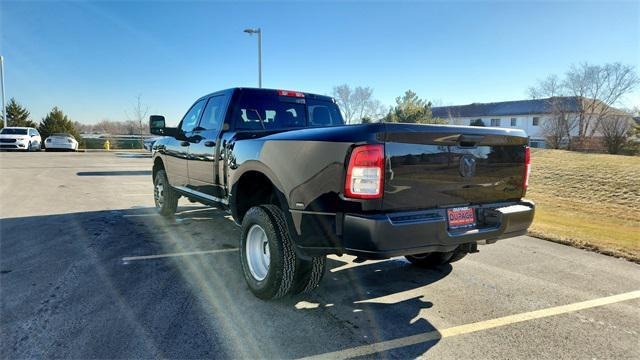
[61, 141]
[20, 138]
[303, 185]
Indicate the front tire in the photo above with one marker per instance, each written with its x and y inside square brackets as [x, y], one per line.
[165, 197]
[266, 252]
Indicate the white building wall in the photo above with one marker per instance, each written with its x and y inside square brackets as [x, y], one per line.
[524, 122]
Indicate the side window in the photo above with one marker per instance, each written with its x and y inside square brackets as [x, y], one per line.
[536, 121]
[31, 132]
[213, 115]
[190, 120]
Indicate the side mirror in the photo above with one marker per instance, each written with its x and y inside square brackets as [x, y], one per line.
[156, 125]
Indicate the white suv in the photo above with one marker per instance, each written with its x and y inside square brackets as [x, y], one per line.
[20, 138]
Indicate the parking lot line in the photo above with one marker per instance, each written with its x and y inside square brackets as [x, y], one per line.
[474, 327]
[147, 257]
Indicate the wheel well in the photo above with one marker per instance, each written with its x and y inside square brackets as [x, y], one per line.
[254, 188]
[157, 166]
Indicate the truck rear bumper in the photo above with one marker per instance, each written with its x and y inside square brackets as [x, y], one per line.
[382, 236]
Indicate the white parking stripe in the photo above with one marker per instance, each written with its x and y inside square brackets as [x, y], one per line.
[147, 257]
[473, 327]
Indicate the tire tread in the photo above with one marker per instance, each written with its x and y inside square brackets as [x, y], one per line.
[289, 256]
[318, 265]
[170, 204]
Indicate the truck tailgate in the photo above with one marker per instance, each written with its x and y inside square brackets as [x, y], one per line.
[430, 166]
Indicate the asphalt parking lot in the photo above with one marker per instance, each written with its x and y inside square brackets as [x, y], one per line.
[88, 270]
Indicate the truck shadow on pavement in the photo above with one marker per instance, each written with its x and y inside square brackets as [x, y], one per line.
[115, 173]
[68, 293]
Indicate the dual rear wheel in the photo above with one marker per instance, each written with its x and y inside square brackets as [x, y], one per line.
[270, 265]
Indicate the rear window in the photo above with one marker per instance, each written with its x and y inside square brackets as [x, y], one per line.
[323, 113]
[62, 135]
[10, 131]
[270, 112]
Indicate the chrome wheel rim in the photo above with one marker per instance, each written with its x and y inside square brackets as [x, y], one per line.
[158, 192]
[257, 252]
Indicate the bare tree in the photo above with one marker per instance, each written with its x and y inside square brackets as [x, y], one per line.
[562, 123]
[375, 110]
[106, 126]
[599, 88]
[549, 87]
[138, 118]
[343, 95]
[358, 103]
[82, 128]
[361, 97]
[581, 100]
[557, 129]
[615, 130]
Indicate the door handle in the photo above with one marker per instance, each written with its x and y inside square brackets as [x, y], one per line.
[209, 143]
[184, 143]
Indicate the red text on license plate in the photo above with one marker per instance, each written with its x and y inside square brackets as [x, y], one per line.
[461, 217]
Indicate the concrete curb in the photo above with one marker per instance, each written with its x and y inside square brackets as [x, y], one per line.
[590, 247]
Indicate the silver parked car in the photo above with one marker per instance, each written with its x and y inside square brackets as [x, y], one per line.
[61, 142]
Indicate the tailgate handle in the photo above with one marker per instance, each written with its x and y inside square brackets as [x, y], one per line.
[469, 140]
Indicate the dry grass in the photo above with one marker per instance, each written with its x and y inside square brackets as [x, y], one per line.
[588, 200]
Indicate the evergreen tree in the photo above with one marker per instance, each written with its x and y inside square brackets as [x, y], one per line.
[57, 122]
[17, 115]
[411, 109]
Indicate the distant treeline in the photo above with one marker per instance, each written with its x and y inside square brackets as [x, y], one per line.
[129, 127]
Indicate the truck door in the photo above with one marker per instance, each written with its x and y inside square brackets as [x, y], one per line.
[205, 145]
[177, 151]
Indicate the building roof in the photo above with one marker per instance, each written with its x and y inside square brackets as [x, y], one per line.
[518, 107]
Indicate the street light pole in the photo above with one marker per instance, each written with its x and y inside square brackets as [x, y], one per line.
[259, 58]
[259, 32]
[4, 107]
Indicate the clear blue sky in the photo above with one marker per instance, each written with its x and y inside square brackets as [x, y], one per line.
[92, 59]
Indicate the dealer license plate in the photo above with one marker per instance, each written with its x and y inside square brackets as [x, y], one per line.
[462, 217]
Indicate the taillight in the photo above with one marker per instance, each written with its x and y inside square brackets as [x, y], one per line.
[365, 173]
[527, 169]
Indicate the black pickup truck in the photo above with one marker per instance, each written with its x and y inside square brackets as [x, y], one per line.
[303, 185]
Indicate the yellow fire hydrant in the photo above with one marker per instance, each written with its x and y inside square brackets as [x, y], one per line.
[106, 145]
